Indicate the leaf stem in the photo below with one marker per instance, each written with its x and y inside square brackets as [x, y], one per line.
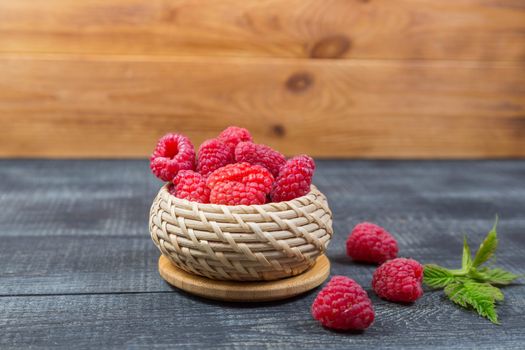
[458, 272]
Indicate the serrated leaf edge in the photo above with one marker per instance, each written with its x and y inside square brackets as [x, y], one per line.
[487, 248]
[481, 300]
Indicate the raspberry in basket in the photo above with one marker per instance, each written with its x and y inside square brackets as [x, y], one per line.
[261, 155]
[371, 243]
[213, 154]
[232, 135]
[240, 183]
[191, 186]
[294, 179]
[174, 152]
[253, 175]
[343, 304]
[236, 193]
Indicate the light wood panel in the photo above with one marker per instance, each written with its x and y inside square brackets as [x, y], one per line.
[386, 29]
[118, 106]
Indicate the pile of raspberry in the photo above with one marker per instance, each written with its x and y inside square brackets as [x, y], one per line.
[230, 169]
[344, 305]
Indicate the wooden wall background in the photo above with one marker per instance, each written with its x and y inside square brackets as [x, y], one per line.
[333, 78]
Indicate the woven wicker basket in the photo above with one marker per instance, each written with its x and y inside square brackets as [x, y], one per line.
[243, 243]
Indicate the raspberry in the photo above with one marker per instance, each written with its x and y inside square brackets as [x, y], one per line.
[236, 193]
[261, 155]
[191, 186]
[240, 183]
[371, 243]
[213, 154]
[254, 176]
[233, 135]
[174, 152]
[399, 280]
[343, 304]
[294, 180]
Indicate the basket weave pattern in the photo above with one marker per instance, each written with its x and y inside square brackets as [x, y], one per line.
[245, 243]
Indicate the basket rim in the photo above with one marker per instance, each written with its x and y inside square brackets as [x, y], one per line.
[299, 201]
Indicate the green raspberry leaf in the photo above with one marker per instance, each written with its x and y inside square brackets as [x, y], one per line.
[473, 286]
[495, 276]
[436, 276]
[466, 261]
[481, 297]
[487, 248]
[485, 289]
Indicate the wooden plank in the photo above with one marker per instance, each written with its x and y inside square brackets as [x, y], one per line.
[99, 264]
[43, 264]
[76, 198]
[415, 29]
[168, 320]
[97, 199]
[84, 107]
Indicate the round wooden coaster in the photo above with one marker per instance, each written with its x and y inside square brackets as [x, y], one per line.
[245, 291]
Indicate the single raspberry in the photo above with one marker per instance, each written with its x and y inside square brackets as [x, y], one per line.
[213, 154]
[343, 304]
[399, 280]
[254, 176]
[191, 186]
[261, 155]
[371, 243]
[294, 179]
[233, 135]
[174, 152]
[236, 193]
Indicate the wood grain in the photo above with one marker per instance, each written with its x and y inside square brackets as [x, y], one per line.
[85, 107]
[168, 320]
[333, 78]
[78, 268]
[246, 291]
[404, 29]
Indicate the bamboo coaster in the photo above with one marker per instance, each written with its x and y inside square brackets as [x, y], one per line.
[245, 291]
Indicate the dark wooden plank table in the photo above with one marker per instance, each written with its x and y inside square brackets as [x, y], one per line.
[78, 269]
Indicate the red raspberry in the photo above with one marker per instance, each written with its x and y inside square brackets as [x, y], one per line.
[191, 186]
[233, 135]
[236, 193]
[261, 155]
[294, 180]
[213, 154]
[254, 176]
[174, 152]
[399, 280]
[371, 243]
[343, 304]
[240, 183]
